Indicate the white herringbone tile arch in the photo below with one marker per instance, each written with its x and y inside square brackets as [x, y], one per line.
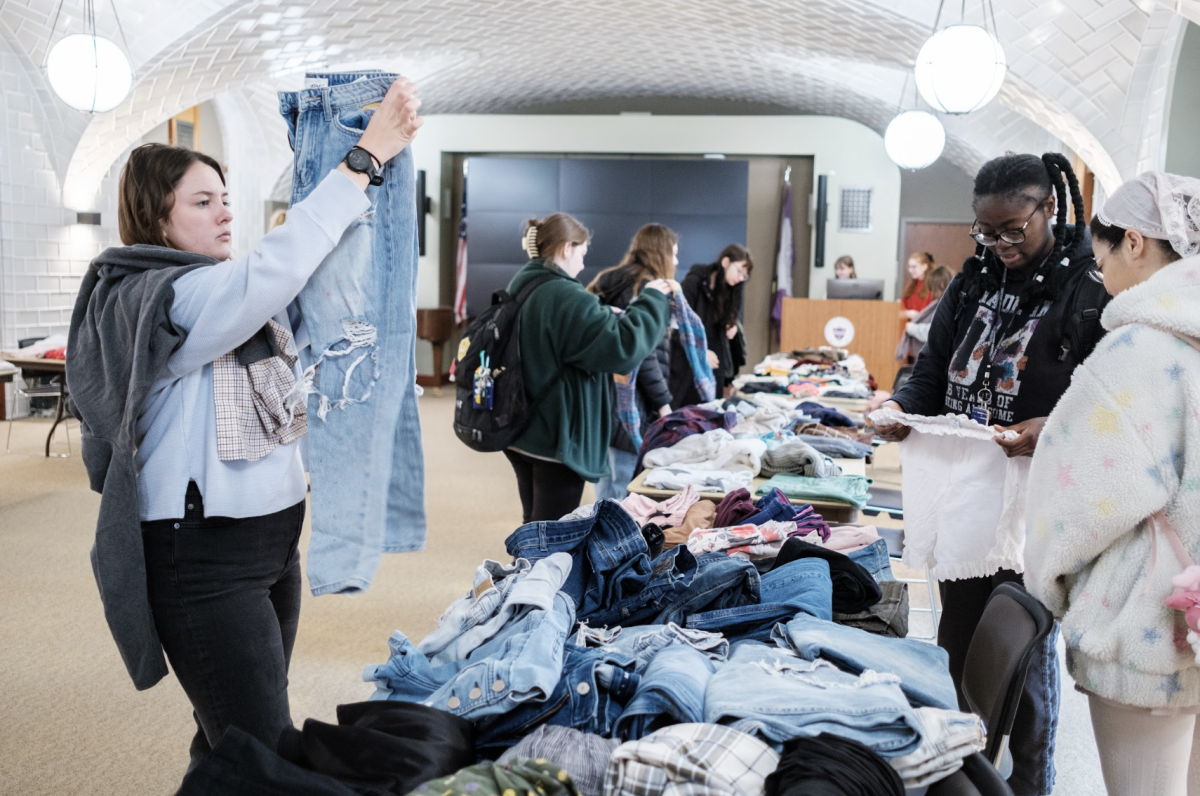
[1091, 72]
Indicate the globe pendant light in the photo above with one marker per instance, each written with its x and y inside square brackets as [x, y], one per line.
[914, 139]
[960, 69]
[89, 72]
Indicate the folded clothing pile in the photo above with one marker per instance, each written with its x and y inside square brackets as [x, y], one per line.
[853, 489]
[947, 738]
[681, 476]
[712, 450]
[682, 423]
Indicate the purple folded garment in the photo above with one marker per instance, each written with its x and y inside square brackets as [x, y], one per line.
[734, 509]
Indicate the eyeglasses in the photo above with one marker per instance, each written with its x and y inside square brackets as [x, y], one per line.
[1095, 273]
[1013, 236]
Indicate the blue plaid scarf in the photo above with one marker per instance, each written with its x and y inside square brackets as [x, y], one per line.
[694, 342]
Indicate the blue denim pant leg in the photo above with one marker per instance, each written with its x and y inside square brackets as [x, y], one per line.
[671, 575]
[590, 696]
[801, 586]
[923, 668]
[490, 587]
[407, 676]
[612, 560]
[671, 691]
[721, 581]
[1036, 726]
[641, 643]
[874, 559]
[482, 618]
[621, 465]
[772, 694]
[359, 312]
[515, 667]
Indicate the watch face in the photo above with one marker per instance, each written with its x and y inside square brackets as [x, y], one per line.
[359, 161]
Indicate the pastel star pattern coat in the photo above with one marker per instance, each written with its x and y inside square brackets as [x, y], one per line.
[1122, 444]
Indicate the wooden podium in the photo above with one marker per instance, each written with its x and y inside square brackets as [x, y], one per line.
[874, 323]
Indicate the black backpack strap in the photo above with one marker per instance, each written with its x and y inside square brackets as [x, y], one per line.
[533, 285]
[1081, 326]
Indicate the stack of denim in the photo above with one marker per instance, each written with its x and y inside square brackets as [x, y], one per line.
[590, 631]
[772, 693]
[482, 668]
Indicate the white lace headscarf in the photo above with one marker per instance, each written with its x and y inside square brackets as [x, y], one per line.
[1161, 206]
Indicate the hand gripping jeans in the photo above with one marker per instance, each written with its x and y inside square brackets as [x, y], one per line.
[923, 668]
[364, 434]
[521, 663]
[801, 586]
[772, 694]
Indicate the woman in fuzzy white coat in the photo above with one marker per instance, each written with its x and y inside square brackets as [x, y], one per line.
[1116, 473]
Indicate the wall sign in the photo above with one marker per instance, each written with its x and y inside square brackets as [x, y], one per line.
[839, 331]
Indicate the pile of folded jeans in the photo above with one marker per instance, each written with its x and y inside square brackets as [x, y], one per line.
[603, 662]
[743, 638]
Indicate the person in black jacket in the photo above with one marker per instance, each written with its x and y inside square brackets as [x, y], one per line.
[714, 291]
[1004, 341]
[653, 254]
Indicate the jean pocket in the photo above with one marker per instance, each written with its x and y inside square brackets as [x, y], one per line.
[354, 121]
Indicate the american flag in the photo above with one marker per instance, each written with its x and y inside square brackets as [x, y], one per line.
[460, 267]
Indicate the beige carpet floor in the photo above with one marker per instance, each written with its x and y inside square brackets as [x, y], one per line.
[71, 721]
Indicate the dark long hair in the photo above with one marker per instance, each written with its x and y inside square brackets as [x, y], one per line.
[1028, 177]
[649, 257]
[727, 299]
[146, 190]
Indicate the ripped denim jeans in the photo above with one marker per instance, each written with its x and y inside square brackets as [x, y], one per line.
[364, 438]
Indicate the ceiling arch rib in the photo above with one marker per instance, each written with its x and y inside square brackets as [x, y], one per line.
[509, 54]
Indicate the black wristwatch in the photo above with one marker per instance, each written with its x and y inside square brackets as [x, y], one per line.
[363, 162]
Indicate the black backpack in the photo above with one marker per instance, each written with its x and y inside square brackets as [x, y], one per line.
[496, 335]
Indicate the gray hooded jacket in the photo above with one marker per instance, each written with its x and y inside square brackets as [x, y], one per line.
[120, 340]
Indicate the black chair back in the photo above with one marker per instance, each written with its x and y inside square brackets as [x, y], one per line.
[977, 777]
[1013, 627]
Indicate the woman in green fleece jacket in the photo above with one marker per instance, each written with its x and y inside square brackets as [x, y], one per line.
[566, 330]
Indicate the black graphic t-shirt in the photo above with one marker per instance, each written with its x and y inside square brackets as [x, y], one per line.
[1027, 374]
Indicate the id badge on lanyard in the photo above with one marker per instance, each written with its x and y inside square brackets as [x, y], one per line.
[981, 410]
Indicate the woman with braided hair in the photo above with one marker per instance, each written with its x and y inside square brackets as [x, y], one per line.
[1004, 341]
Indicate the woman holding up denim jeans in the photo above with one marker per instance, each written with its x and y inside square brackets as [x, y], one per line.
[182, 363]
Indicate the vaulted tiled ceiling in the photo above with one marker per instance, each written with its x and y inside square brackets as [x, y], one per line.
[1091, 73]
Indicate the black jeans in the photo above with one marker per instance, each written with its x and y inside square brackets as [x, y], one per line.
[549, 490]
[226, 600]
[1032, 741]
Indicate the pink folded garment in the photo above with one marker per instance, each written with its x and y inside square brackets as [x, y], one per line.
[848, 538]
[667, 514]
[746, 541]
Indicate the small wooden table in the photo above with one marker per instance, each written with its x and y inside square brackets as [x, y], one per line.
[53, 365]
[831, 510]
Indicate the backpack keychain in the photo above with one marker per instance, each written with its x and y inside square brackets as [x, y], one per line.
[485, 385]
